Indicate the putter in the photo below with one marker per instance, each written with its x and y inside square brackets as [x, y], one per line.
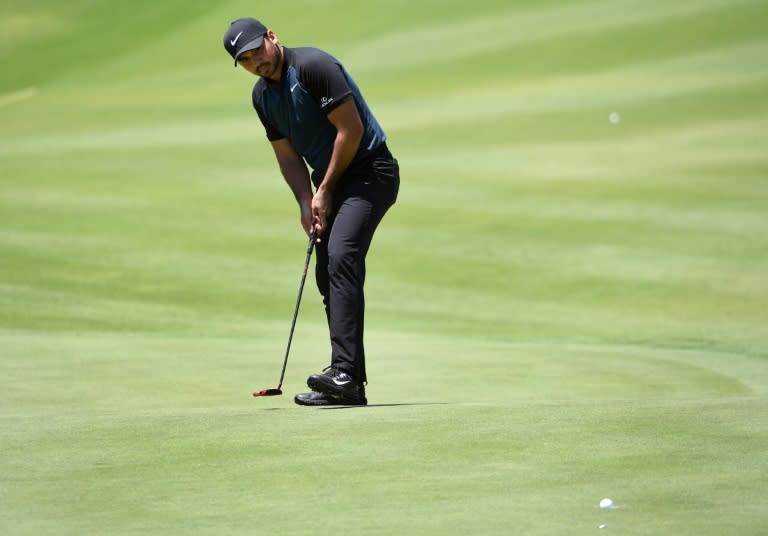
[279, 389]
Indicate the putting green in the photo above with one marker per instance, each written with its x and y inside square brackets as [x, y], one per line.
[561, 307]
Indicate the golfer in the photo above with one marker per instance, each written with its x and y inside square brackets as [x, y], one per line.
[314, 114]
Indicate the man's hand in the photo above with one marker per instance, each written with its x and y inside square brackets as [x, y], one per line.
[321, 209]
[295, 172]
[349, 131]
[307, 221]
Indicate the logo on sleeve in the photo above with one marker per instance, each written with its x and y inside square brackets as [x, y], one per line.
[325, 101]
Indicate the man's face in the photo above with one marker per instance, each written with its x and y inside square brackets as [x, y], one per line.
[265, 61]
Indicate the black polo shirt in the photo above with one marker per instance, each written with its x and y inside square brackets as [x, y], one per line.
[313, 84]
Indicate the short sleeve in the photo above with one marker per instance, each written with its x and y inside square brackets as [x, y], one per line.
[324, 79]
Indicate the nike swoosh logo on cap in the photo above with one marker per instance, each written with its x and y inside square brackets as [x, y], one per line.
[233, 41]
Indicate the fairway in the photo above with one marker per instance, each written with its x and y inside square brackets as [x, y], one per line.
[568, 302]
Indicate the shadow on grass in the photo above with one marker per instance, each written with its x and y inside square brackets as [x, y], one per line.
[364, 407]
[385, 405]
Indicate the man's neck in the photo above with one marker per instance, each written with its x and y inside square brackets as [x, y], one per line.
[281, 66]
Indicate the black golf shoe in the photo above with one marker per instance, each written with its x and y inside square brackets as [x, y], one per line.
[336, 383]
[314, 398]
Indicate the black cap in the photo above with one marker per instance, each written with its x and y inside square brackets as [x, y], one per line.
[244, 34]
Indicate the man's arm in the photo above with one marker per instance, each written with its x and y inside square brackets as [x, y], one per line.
[349, 132]
[295, 173]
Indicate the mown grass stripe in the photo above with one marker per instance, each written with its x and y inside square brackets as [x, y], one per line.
[628, 85]
[450, 42]
[17, 96]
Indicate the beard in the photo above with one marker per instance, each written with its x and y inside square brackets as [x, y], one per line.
[269, 68]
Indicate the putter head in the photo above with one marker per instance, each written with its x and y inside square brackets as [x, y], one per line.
[268, 392]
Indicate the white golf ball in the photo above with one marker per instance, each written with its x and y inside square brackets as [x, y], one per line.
[606, 503]
[614, 118]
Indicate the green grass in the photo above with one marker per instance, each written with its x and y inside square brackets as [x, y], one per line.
[560, 308]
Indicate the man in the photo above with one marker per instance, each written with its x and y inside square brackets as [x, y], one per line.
[314, 113]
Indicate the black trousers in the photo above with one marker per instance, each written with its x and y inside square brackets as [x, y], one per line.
[364, 195]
